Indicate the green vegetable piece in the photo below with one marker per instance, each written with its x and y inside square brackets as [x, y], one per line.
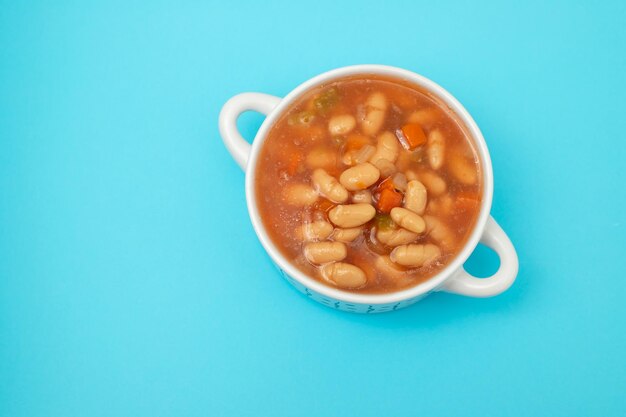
[303, 118]
[326, 100]
[384, 222]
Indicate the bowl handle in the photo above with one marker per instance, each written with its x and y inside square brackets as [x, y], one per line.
[463, 283]
[238, 147]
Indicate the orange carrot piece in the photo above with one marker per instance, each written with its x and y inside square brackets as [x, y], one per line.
[414, 135]
[387, 196]
[388, 199]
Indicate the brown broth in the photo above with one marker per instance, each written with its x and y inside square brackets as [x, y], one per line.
[303, 131]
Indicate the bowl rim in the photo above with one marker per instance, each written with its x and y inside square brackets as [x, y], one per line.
[383, 298]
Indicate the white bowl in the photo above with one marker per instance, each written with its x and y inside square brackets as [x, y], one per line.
[453, 278]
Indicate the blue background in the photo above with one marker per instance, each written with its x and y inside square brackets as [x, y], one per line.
[131, 281]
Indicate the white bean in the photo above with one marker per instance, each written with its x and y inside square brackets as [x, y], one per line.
[317, 230]
[362, 196]
[415, 197]
[408, 219]
[375, 108]
[329, 187]
[436, 149]
[405, 160]
[346, 235]
[299, 195]
[321, 158]
[387, 148]
[439, 232]
[348, 158]
[415, 255]
[351, 215]
[462, 169]
[441, 205]
[344, 275]
[424, 116]
[324, 252]
[433, 182]
[359, 177]
[395, 237]
[341, 125]
[410, 175]
[390, 270]
[386, 168]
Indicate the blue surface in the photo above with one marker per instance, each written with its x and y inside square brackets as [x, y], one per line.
[131, 281]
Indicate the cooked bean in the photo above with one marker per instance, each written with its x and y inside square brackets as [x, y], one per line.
[408, 220]
[433, 182]
[359, 177]
[436, 148]
[314, 216]
[441, 205]
[395, 237]
[374, 117]
[390, 270]
[341, 125]
[415, 197]
[415, 255]
[348, 158]
[328, 186]
[346, 235]
[321, 158]
[410, 175]
[344, 275]
[362, 196]
[424, 116]
[324, 252]
[376, 101]
[439, 232]
[408, 159]
[386, 168]
[351, 215]
[317, 230]
[462, 169]
[387, 148]
[299, 195]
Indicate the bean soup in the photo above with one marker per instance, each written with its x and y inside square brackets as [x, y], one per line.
[369, 184]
